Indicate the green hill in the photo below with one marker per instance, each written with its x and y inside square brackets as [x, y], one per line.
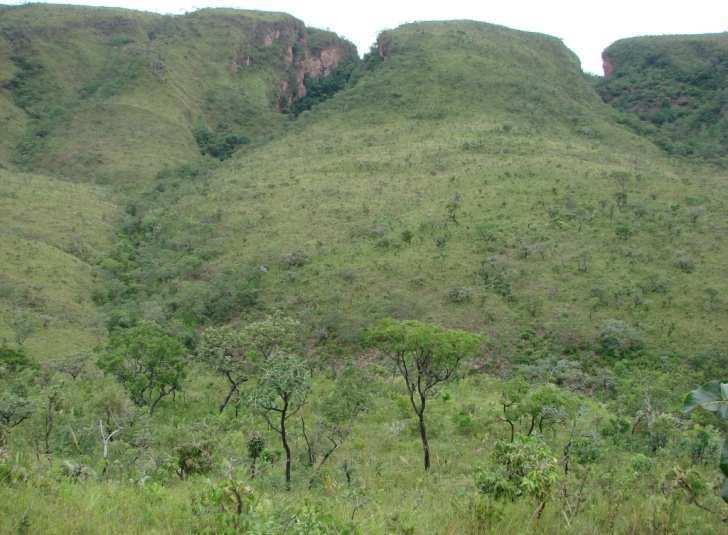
[216, 211]
[471, 178]
[53, 234]
[113, 95]
[673, 89]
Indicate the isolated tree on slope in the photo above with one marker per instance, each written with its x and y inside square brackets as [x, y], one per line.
[426, 356]
[280, 393]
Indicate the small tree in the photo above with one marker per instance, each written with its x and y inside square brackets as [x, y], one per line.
[256, 445]
[274, 333]
[14, 410]
[339, 410]
[147, 362]
[543, 404]
[280, 393]
[512, 394]
[426, 357]
[16, 372]
[221, 348]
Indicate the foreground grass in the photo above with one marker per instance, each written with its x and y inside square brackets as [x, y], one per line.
[387, 490]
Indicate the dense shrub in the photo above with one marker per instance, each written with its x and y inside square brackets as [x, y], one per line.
[617, 339]
[524, 467]
[194, 459]
[220, 145]
[460, 295]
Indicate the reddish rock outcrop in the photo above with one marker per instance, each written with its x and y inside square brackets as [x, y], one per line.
[301, 60]
[607, 65]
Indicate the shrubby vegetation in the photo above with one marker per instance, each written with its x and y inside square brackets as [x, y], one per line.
[672, 89]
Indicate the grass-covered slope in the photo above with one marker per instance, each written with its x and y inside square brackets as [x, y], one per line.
[53, 234]
[471, 177]
[674, 90]
[116, 95]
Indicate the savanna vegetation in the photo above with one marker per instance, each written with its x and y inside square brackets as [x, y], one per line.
[673, 90]
[446, 288]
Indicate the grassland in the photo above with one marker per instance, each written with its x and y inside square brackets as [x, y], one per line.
[53, 234]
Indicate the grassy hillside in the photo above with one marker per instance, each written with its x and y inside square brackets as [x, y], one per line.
[673, 89]
[472, 178]
[95, 86]
[53, 234]
[221, 247]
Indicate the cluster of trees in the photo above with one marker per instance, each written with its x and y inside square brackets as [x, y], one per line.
[152, 365]
[265, 369]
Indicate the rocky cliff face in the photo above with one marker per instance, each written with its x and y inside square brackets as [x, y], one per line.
[607, 65]
[304, 54]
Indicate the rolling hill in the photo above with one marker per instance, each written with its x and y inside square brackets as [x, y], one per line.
[471, 177]
[113, 96]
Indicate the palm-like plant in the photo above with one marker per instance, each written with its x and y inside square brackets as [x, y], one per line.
[712, 397]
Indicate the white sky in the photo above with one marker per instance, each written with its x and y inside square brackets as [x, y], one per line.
[587, 27]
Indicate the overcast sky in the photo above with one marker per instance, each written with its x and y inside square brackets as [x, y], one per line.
[586, 26]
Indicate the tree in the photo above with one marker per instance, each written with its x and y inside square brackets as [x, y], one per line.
[280, 393]
[426, 356]
[546, 403]
[147, 362]
[339, 409]
[274, 333]
[713, 397]
[16, 371]
[14, 410]
[235, 353]
[512, 394]
[221, 348]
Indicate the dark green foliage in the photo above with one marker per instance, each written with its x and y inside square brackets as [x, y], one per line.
[194, 459]
[220, 145]
[14, 410]
[13, 361]
[617, 339]
[673, 89]
[147, 362]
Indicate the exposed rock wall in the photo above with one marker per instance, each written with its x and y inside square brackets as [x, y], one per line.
[302, 59]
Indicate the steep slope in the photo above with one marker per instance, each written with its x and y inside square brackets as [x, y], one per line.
[53, 233]
[674, 89]
[471, 177]
[114, 95]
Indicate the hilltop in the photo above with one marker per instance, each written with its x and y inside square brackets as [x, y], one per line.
[673, 90]
[113, 96]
